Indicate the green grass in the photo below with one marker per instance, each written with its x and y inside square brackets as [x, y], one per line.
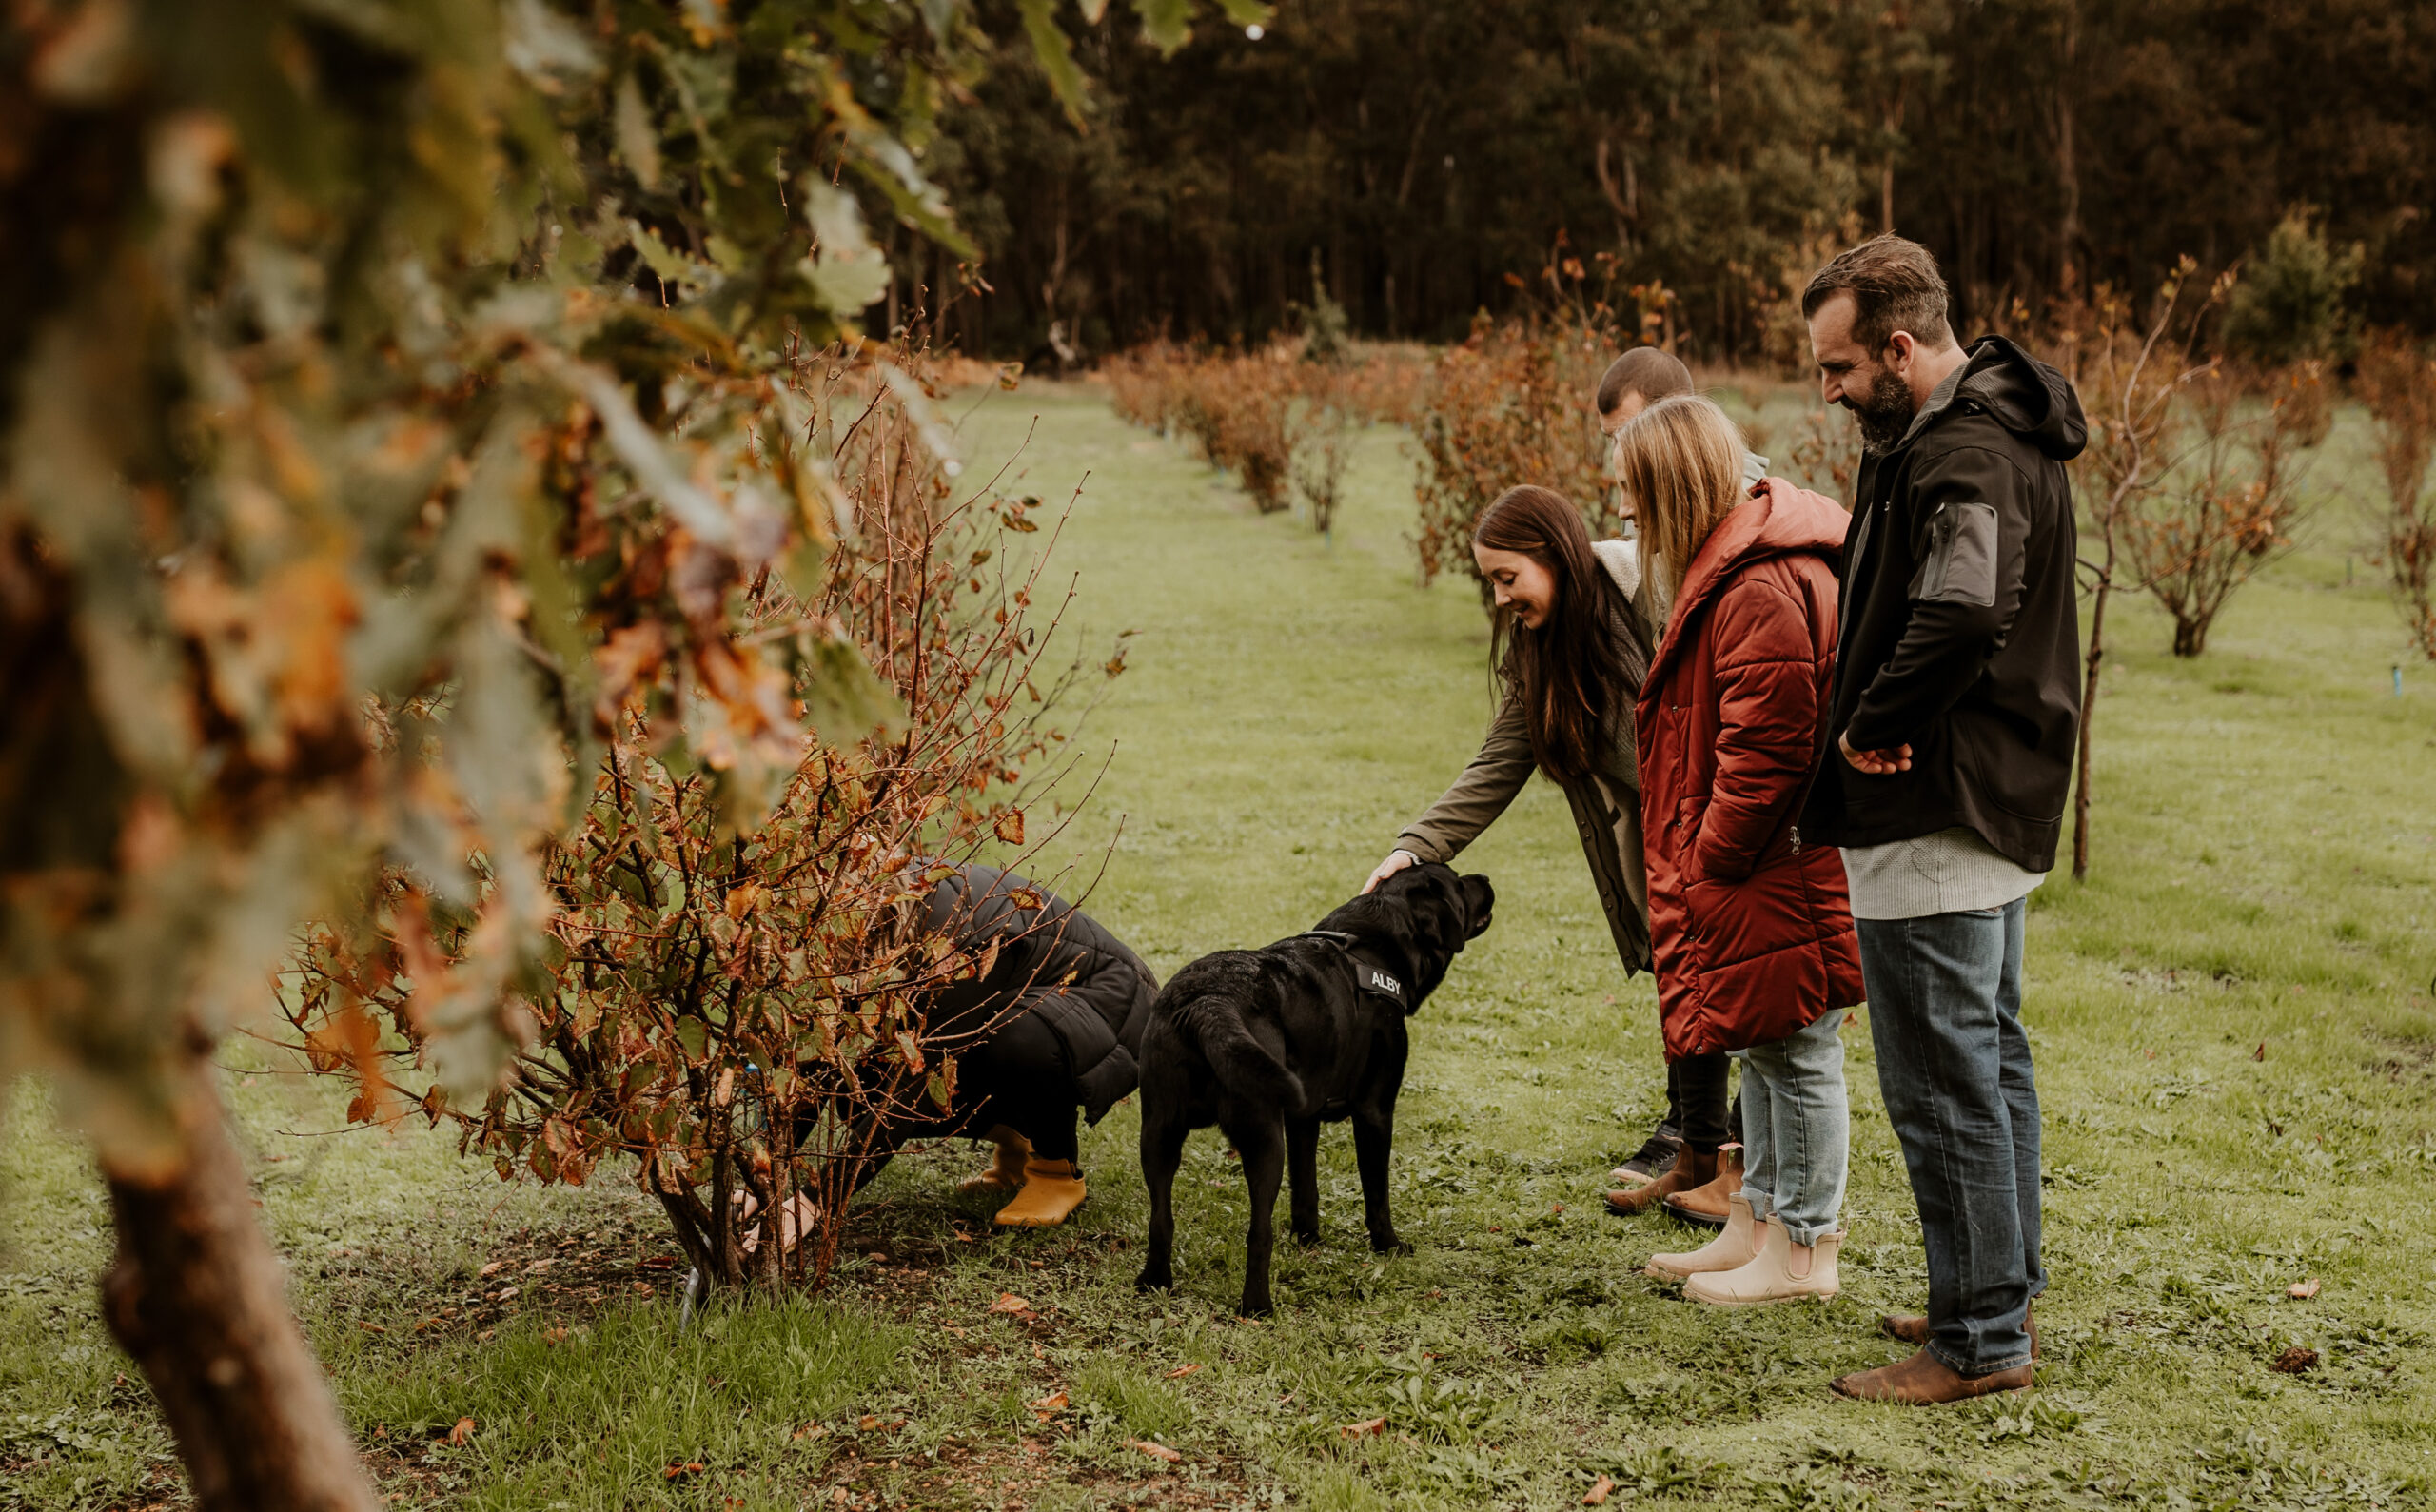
[2232, 1019]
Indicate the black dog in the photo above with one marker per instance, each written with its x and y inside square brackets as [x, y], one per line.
[1270, 1044]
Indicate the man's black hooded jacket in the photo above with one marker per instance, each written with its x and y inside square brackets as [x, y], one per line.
[1960, 635]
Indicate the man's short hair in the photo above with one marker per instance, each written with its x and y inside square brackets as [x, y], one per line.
[1894, 286]
[1644, 371]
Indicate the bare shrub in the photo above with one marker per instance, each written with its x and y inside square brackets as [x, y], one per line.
[1827, 455]
[1279, 422]
[1322, 435]
[1510, 405]
[1246, 401]
[1385, 383]
[2398, 384]
[2235, 499]
[1144, 384]
[736, 1002]
[2127, 371]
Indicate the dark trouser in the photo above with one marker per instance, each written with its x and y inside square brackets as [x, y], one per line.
[1954, 1065]
[1695, 1101]
[1015, 1080]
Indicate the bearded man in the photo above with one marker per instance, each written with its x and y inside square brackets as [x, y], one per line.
[1946, 754]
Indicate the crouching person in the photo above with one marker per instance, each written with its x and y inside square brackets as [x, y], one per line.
[1750, 928]
[1042, 1040]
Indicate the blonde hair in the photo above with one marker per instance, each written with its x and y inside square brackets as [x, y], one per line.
[1680, 463]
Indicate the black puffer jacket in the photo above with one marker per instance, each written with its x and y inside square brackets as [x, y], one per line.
[1961, 633]
[1053, 961]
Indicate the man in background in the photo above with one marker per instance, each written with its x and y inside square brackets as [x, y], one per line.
[1633, 381]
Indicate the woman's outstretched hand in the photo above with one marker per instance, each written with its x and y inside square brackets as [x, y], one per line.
[1396, 861]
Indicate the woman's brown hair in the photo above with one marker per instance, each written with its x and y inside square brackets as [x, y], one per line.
[1574, 670]
[1680, 463]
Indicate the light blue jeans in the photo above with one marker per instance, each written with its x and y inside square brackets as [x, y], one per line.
[1797, 1131]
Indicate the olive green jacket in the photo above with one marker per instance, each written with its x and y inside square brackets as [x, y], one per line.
[1606, 806]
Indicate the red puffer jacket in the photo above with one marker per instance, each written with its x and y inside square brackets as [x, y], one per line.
[1752, 930]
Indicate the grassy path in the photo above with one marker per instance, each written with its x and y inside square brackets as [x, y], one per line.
[2265, 878]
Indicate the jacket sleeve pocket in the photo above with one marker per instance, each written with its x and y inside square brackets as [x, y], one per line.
[1960, 566]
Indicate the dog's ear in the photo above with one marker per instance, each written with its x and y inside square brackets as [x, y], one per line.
[1480, 904]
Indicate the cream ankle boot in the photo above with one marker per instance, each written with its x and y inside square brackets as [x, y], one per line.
[1729, 1251]
[1006, 1173]
[1781, 1272]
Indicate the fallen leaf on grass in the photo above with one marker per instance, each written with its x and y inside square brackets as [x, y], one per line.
[811, 1430]
[2295, 1360]
[1047, 1408]
[1849, 1017]
[1363, 1430]
[493, 1268]
[463, 1430]
[680, 1472]
[1009, 1302]
[1596, 1495]
[2302, 1290]
[1182, 1371]
[1156, 1451]
[558, 1335]
[867, 1422]
[371, 1327]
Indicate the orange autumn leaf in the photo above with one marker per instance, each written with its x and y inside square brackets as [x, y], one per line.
[1183, 1370]
[1009, 1302]
[1156, 1451]
[463, 1432]
[1599, 1492]
[1009, 826]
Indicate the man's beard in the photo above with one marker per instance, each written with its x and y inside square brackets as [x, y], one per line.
[1885, 413]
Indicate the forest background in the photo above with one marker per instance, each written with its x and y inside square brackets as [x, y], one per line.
[1424, 150]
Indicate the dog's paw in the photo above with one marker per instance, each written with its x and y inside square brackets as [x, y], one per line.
[1149, 1282]
[1255, 1310]
[1390, 1246]
[1309, 1241]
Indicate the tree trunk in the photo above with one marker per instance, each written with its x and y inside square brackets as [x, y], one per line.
[2189, 637]
[198, 1299]
[2089, 715]
[2068, 166]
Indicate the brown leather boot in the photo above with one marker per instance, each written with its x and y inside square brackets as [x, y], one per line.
[1693, 1168]
[1704, 1204]
[1912, 1329]
[1924, 1381]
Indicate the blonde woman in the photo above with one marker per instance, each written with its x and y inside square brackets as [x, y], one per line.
[1750, 928]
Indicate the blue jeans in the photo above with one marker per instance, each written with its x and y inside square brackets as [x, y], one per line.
[1954, 1065]
[1796, 1132]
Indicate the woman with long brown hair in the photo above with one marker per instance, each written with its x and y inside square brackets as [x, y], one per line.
[1753, 935]
[1571, 645]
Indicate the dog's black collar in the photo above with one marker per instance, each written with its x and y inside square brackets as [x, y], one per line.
[1367, 973]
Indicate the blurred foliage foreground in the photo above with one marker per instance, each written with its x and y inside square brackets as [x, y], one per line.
[433, 468]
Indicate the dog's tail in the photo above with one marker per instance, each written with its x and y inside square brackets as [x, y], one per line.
[1244, 1066]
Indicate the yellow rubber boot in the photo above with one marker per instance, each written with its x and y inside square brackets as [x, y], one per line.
[1006, 1173]
[1052, 1189]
